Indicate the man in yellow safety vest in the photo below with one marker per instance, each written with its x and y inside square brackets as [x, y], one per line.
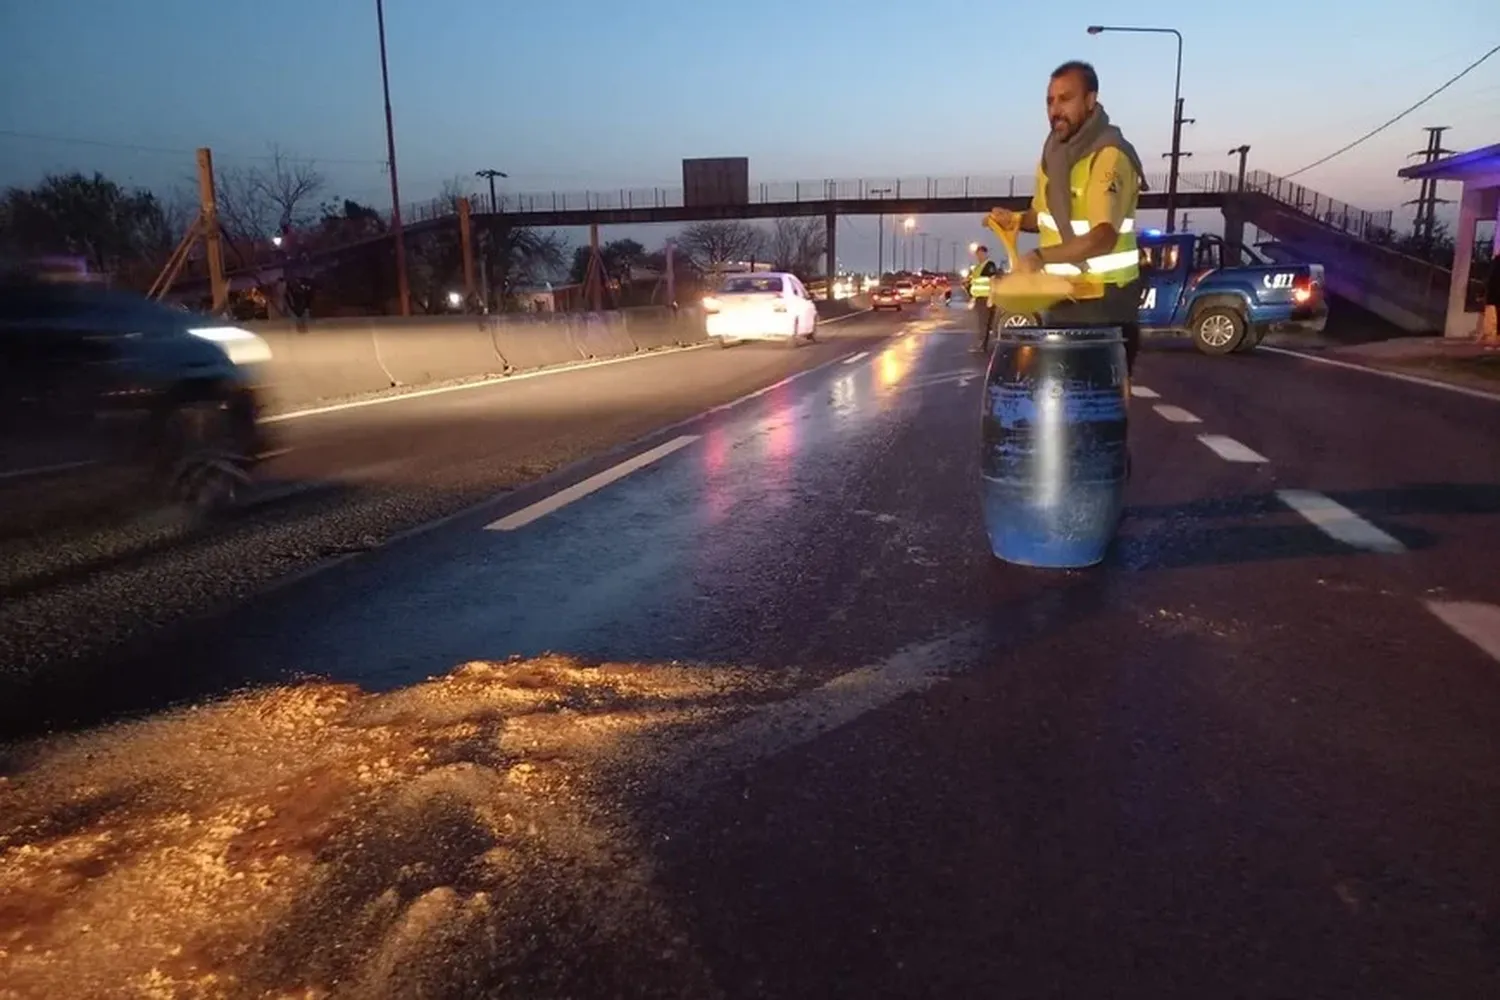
[977, 285]
[1087, 185]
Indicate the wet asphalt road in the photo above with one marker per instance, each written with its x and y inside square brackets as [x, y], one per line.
[1247, 757]
[347, 479]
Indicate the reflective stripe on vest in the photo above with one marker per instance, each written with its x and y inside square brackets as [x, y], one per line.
[979, 283]
[1120, 266]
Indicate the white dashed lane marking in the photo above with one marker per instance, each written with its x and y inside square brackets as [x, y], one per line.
[1176, 414]
[855, 357]
[1339, 522]
[1478, 623]
[1229, 449]
[594, 483]
[1141, 392]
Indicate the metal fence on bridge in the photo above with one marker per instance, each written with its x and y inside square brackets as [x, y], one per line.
[1330, 211]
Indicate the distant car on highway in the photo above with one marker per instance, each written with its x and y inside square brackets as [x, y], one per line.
[906, 290]
[885, 297]
[112, 403]
[769, 305]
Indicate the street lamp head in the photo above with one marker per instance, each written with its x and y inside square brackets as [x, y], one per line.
[910, 223]
[1096, 29]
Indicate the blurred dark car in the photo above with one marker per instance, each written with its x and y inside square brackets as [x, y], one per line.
[886, 297]
[112, 403]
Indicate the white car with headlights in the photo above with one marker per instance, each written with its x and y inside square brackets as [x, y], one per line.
[768, 305]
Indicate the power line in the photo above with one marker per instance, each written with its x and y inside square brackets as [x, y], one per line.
[136, 148]
[1381, 128]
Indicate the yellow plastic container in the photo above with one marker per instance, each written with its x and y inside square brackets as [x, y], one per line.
[1025, 294]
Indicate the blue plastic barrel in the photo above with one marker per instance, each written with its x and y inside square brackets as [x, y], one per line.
[1055, 445]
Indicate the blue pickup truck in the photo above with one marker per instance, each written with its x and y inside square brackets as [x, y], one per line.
[1226, 298]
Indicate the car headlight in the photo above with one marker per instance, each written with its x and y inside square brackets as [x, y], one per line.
[242, 346]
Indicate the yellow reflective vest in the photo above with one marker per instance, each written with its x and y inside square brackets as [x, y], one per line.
[1120, 266]
[979, 282]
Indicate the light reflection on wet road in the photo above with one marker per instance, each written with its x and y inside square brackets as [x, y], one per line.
[629, 571]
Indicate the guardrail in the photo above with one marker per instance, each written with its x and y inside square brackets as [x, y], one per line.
[320, 361]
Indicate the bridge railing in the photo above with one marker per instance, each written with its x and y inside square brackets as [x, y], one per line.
[866, 189]
[1332, 212]
[1365, 225]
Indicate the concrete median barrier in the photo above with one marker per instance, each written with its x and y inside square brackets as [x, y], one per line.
[323, 360]
[655, 327]
[419, 352]
[317, 360]
[536, 340]
[601, 335]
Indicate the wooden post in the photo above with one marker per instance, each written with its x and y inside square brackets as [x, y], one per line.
[208, 213]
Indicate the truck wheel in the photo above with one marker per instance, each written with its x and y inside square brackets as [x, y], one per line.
[1017, 319]
[1253, 336]
[1218, 331]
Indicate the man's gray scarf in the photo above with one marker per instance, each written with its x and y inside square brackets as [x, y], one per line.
[1060, 156]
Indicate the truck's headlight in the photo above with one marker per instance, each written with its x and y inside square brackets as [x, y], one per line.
[242, 346]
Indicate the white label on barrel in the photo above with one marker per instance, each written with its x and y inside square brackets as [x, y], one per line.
[1148, 300]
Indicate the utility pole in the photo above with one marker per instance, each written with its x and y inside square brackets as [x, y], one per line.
[491, 175]
[403, 289]
[492, 245]
[1241, 152]
[466, 249]
[1424, 224]
[1175, 156]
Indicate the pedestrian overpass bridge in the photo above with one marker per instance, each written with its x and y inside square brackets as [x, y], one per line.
[1304, 224]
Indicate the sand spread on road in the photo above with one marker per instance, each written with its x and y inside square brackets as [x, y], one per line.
[319, 841]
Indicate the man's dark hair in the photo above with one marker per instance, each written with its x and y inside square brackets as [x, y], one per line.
[982, 247]
[1085, 72]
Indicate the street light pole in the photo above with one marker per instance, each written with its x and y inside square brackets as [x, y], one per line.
[403, 290]
[1176, 154]
[491, 175]
[909, 225]
[880, 233]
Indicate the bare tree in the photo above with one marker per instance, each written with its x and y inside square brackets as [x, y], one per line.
[505, 257]
[453, 189]
[292, 188]
[256, 203]
[799, 245]
[711, 245]
[243, 210]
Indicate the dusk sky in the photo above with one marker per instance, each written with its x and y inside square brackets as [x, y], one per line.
[610, 95]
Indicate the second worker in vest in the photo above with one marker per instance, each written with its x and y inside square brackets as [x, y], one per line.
[1083, 212]
[977, 286]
